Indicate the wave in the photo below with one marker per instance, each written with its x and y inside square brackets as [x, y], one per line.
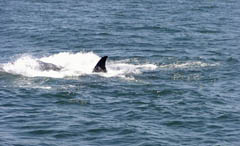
[188, 65]
[74, 64]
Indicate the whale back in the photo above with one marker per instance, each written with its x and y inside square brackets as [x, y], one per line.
[48, 66]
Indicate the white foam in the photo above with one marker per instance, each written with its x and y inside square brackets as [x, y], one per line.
[189, 64]
[74, 64]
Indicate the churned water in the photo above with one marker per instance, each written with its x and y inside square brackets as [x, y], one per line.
[173, 73]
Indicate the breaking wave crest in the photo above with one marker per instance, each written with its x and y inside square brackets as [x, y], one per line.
[73, 64]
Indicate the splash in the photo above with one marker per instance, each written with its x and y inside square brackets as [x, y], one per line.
[73, 64]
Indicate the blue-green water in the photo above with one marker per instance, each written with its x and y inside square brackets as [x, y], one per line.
[173, 73]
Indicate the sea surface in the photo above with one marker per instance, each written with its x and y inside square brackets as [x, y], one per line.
[173, 73]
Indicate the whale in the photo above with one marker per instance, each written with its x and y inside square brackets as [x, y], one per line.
[100, 67]
[44, 66]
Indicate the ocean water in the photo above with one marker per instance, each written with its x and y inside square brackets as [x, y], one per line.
[173, 73]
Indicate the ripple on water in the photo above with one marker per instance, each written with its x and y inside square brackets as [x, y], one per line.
[173, 73]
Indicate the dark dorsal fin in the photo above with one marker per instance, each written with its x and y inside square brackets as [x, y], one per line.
[100, 67]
